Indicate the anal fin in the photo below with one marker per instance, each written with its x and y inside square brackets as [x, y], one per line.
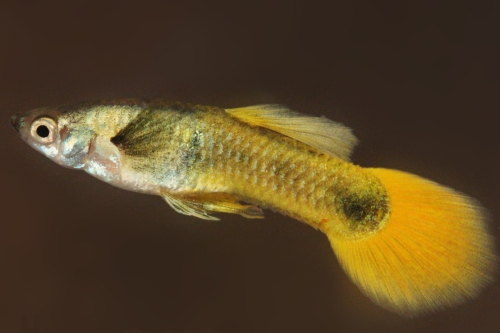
[202, 204]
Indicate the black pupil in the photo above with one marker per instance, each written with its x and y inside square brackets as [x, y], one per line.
[42, 131]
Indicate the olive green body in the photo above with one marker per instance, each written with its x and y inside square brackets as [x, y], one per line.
[193, 150]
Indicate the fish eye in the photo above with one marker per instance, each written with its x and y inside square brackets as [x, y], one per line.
[44, 130]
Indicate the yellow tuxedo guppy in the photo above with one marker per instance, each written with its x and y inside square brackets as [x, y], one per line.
[410, 245]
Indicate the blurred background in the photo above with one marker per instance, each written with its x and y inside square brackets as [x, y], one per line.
[418, 81]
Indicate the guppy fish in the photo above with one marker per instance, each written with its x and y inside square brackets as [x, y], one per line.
[410, 245]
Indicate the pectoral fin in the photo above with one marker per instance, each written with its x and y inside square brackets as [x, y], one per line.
[201, 205]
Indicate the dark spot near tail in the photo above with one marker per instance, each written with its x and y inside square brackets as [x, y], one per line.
[364, 212]
[355, 208]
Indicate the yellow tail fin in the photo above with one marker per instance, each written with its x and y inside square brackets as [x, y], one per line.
[434, 250]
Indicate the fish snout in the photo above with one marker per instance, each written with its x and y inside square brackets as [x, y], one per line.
[15, 121]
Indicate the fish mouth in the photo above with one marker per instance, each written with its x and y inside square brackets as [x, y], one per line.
[16, 121]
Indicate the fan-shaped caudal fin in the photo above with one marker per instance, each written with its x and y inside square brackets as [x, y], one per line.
[433, 252]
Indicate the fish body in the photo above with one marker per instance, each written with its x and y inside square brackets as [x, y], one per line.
[411, 245]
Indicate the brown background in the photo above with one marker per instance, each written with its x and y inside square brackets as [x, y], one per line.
[418, 81]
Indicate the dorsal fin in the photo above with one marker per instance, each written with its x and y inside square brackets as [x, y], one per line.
[320, 133]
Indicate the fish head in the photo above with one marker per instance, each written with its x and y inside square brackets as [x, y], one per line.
[49, 132]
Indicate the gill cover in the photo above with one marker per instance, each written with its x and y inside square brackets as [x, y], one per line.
[74, 146]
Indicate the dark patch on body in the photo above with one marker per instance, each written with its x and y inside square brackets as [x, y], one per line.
[148, 140]
[147, 134]
[192, 153]
[156, 138]
[154, 126]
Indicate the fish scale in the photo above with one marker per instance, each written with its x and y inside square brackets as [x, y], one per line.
[292, 190]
